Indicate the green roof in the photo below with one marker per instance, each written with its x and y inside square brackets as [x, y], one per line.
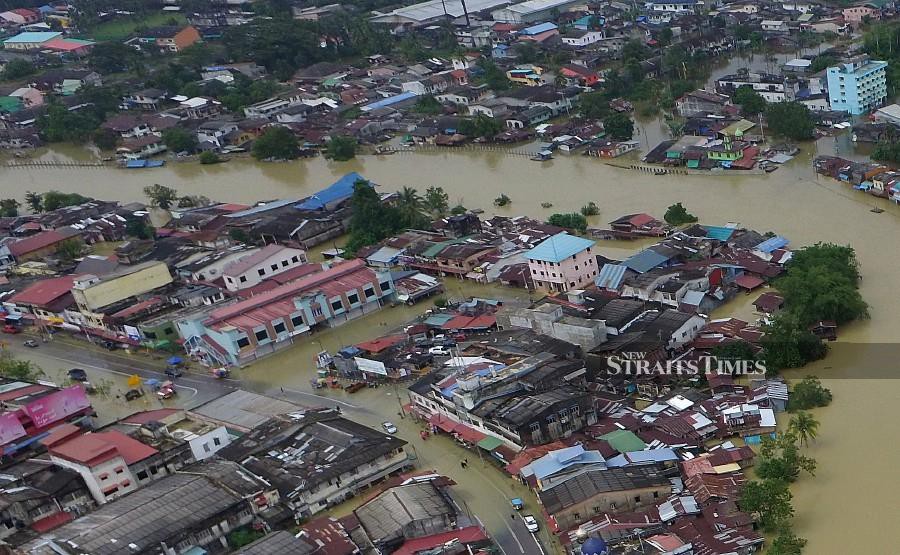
[489, 443]
[434, 249]
[10, 104]
[624, 441]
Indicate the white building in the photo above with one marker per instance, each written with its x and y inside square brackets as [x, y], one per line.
[532, 11]
[269, 261]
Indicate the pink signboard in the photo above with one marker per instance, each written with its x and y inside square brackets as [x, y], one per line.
[10, 427]
[57, 406]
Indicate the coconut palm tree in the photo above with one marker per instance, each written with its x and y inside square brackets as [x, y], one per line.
[805, 426]
[409, 203]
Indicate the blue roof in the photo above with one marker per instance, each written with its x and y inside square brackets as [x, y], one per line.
[390, 101]
[558, 460]
[773, 243]
[339, 190]
[693, 298]
[559, 247]
[610, 276]
[719, 233]
[594, 546]
[438, 320]
[33, 36]
[648, 456]
[538, 29]
[645, 261]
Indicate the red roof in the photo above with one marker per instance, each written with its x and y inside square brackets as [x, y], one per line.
[469, 434]
[141, 418]
[36, 242]
[64, 44]
[748, 282]
[44, 292]
[463, 322]
[329, 535]
[51, 522]
[443, 423]
[137, 307]
[95, 448]
[61, 433]
[465, 536]
[382, 343]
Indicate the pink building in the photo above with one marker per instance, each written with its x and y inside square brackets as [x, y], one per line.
[562, 263]
[855, 14]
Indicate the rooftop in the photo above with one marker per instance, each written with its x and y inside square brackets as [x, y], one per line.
[388, 515]
[585, 486]
[558, 248]
[94, 448]
[33, 36]
[339, 190]
[244, 409]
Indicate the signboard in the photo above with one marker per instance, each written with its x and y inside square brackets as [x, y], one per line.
[370, 366]
[323, 359]
[134, 381]
[132, 333]
[10, 427]
[56, 406]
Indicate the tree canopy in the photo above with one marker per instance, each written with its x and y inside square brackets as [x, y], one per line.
[374, 220]
[341, 149]
[821, 283]
[177, 139]
[619, 126]
[790, 119]
[53, 200]
[161, 196]
[770, 501]
[809, 393]
[574, 221]
[677, 214]
[480, 126]
[276, 143]
[751, 102]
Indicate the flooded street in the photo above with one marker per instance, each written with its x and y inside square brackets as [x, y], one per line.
[854, 484]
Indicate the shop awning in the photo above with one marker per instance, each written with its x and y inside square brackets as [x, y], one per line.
[445, 424]
[469, 435]
[489, 443]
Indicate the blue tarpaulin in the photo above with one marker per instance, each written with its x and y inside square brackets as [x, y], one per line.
[339, 190]
[174, 361]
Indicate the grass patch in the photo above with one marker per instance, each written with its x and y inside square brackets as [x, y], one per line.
[122, 28]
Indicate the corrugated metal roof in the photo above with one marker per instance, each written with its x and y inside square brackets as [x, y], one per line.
[340, 189]
[645, 261]
[610, 276]
[719, 233]
[773, 243]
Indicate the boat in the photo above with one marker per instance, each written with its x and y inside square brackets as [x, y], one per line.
[546, 205]
[138, 164]
[542, 156]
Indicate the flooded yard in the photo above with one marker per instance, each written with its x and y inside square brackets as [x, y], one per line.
[853, 493]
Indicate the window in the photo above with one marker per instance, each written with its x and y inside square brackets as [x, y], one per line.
[297, 321]
[385, 285]
[279, 327]
[354, 298]
[284, 263]
[217, 441]
[274, 267]
[317, 311]
[206, 447]
[262, 335]
[336, 305]
[655, 495]
[168, 331]
[261, 271]
[294, 259]
[243, 279]
[369, 291]
[243, 342]
[150, 335]
[637, 498]
[142, 475]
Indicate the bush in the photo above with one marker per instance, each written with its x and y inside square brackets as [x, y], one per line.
[440, 302]
[209, 157]
[572, 221]
[590, 209]
[340, 149]
[809, 393]
[678, 215]
[277, 143]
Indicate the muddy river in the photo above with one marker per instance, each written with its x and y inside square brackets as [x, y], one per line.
[858, 446]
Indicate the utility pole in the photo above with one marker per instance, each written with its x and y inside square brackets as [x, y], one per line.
[465, 12]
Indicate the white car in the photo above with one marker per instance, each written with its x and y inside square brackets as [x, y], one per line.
[531, 523]
[439, 351]
[389, 428]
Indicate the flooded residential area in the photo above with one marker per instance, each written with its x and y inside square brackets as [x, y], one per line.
[492, 277]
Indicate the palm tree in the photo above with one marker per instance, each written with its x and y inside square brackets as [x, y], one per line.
[35, 201]
[410, 204]
[805, 426]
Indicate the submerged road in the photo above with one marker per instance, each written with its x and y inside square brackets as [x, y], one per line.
[482, 489]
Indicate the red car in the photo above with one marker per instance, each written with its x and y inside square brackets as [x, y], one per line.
[9, 328]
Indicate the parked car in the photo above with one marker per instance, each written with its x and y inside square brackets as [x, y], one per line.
[78, 375]
[133, 394]
[10, 328]
[174, 372]
[517, 503]
[30, 343]
[166, 392]
[531, 523]
[389, 427]
[440, 351]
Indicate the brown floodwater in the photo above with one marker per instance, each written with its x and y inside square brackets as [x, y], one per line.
[857, 447]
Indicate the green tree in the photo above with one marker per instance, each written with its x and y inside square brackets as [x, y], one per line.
[54, 200]
[58, 124]
[790, 119]
[11, 367]
[140, 229]
[590, 209]
[193, 201]
[209, 157]
[788, 344]
[17, 68]
[573, 221]
[480, 126]
[780, 459]
[9, 207]
[239, 235]
[677, 214]
[734, 350]
[105, 139]
[113, 57]
[750, 101]
[458, 210]
[427, 104]
[786, 543]
[161, 196]
[821, 283]
[436, 200]
[804, 426]
[769, 500]
[809, 393]
[177, 139]
[619, 126]
[35, 202]
[502, 200]
[341, 149]
[372, 220]
[493, 76]
[276, 143]
[70, 249]
[243, 536]
[409, 205]
[594, 105]
[526, 52]
[822, 61]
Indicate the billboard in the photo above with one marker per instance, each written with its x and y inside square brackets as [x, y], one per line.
[56, 406]
[10, 427]
[370, 366]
